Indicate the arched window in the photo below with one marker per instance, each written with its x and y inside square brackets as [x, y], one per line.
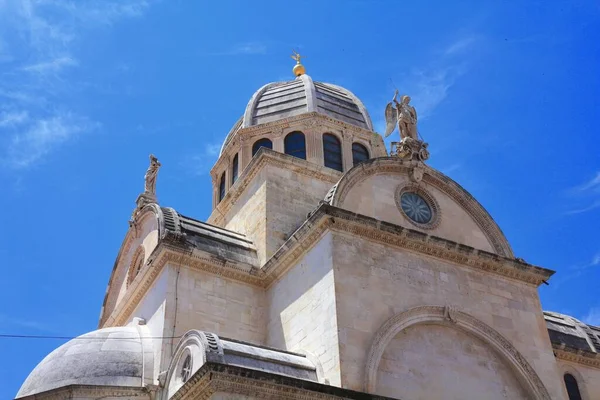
[234, 169]
[359, 153]
[572, 387]
[332, 152]
[222, 187]
[295, 145]
[261, 143]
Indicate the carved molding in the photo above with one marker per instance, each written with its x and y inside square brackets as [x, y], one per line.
[93, 392]
[464, 322]
[430, 176]
[588, 359]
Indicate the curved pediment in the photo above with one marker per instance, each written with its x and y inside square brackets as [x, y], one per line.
[416, 196]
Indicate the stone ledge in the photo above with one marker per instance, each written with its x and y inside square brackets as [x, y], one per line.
[215, 377]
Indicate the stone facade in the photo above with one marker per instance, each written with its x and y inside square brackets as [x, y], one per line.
[309, 282]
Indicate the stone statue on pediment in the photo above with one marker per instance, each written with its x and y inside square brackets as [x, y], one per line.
[150, 177]
[404, 116]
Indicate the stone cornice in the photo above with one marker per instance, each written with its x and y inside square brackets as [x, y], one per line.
[92, 392]
[346, 222]
[325, 218]
[171, 252]
[215, 377]
[265, 157]
[567, 353]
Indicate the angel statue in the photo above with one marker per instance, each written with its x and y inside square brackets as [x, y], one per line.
[404, 115]
[150, 177]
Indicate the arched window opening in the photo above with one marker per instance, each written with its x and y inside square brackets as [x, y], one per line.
[261, 143]
[295, 145]
[572, 387]
[332, 152]
[359, 153]
[234, 169]
[222, 187]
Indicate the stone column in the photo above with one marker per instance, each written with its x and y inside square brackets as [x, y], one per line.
[245, 154]
[347, 150]
[277, 137]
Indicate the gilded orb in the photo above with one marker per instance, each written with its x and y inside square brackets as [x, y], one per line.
[299, 70]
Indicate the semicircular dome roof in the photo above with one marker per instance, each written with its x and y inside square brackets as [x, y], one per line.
[278, 100]
[104, 357]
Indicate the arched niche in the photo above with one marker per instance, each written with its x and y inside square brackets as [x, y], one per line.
[454, 319]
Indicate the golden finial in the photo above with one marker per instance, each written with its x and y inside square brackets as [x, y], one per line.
[298, 68]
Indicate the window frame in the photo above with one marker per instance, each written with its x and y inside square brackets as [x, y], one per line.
[222, 187]
[329, 154]
[571, 386]
[363, 147]
[255, 149]
[235, 164]
[300, 151]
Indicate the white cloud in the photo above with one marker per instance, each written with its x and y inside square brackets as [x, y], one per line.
[592, 317]
[202, 162]
[460, 45]
[53, 66]
[587, 193]
[43, 37]
[249, 48]
[42, 136]
[13, 118]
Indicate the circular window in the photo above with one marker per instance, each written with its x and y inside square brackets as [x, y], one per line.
[186, 368]
[415, 207]
[418, 206]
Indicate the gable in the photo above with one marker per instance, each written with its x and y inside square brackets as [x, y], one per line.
[377, 189]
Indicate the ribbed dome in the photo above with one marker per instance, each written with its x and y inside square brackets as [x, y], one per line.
[279, 100]
[110, 356]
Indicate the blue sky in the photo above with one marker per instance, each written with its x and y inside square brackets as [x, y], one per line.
[508, 94]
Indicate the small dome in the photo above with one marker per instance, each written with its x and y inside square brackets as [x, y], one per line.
[105, 357]
[279, 100]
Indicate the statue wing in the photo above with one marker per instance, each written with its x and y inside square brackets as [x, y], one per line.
[391, 118]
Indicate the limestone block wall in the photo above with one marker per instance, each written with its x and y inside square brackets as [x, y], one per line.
[152, 309]
[302, 309]
[248, 215]
[290, 197]
[200, 300]
[374, 282]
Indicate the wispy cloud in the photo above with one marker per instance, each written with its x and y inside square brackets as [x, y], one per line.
[241, 49]
[41, 39]
[13, 118]
[20, 323]
[249, 48]
[53, 66]
[201, 162]
[586, 196]
[460, 45]
[592, 317]
[42, 136]
[429, 85]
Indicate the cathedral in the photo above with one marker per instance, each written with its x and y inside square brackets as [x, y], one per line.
[331, 267]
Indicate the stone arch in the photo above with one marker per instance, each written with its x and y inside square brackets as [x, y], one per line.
[582, 384]
[449, 316]
[200, 347]
[386, 165]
